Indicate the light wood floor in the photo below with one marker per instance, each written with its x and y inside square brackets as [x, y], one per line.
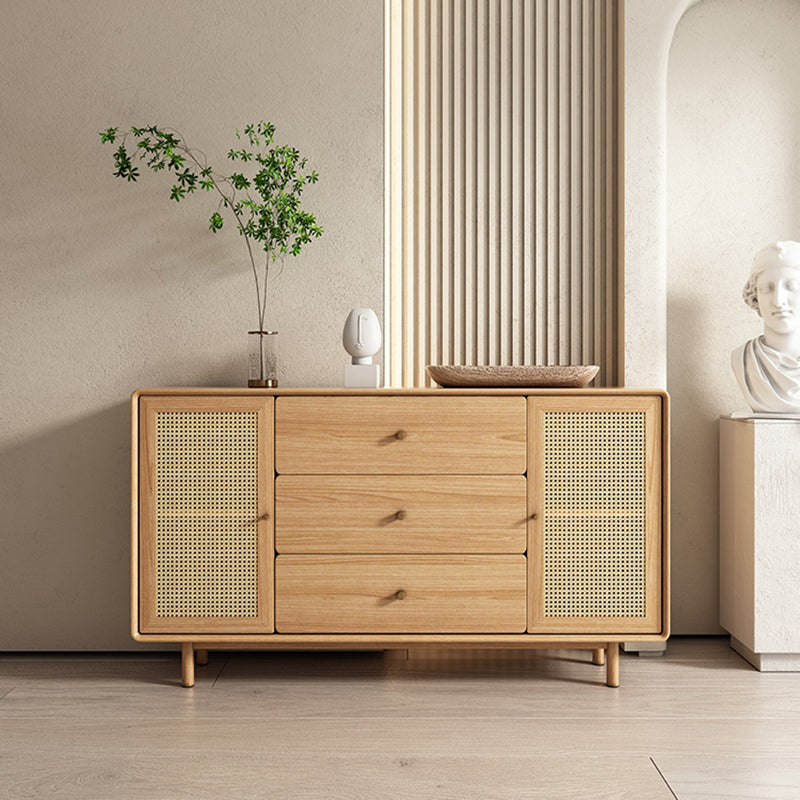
[696, 723]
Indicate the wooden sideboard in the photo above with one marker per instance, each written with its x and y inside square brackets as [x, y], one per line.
[400, 518]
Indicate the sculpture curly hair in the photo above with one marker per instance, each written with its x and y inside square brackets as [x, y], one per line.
[785, 253]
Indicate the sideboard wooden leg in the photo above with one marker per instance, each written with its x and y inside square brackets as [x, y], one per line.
[187, 664]
[612, 667]
[201, 657]
[599, 656]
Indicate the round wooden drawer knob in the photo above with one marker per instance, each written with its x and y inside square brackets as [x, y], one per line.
[400, 435]
[400, 515]
[400, 595]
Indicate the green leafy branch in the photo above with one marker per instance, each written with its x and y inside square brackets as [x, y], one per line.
[265, 204]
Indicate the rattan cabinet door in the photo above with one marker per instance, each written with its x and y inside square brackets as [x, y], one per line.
[205, 555]
[595, 534]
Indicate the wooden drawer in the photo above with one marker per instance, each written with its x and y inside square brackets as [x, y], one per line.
[400, 435]
[400, 594]
[400, 514]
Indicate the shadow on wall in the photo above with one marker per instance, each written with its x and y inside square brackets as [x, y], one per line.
[695, 472]
[65, 568]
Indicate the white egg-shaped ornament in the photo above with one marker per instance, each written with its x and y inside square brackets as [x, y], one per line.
[361, 338]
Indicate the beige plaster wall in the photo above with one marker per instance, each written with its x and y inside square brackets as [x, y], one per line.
[733, 113]
[108, 287]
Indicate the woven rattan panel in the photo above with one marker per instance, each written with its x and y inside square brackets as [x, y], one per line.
[594, 514]
[206, 514]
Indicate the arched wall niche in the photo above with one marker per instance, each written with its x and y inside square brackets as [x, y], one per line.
[712, 168]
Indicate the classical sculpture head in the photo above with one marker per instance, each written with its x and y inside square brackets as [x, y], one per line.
[768, 367]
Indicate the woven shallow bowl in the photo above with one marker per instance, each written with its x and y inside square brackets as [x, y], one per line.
[560, 377]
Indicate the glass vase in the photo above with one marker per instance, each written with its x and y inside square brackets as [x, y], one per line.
[263, 358]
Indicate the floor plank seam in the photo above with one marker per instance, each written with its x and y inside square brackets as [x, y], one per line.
[661, 774]
[219, 674]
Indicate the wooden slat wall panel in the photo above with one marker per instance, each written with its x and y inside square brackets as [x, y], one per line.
[504, 146]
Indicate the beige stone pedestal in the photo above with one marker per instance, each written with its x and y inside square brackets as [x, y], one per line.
[760, 539]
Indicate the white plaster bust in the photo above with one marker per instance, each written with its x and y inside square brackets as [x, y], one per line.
[768, 367]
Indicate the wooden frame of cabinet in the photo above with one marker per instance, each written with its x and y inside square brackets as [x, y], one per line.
[601, 636]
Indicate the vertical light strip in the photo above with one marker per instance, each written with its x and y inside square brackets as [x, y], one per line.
[471, 223]
[393, 188]
[524, 171]
[403, 328]
[537, 309]
[456, 352]
[516, 168]
[504, 196]
[587, 177]
[421, 187]
[547, 303]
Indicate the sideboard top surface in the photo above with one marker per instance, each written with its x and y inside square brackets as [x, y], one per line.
[396, 391]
